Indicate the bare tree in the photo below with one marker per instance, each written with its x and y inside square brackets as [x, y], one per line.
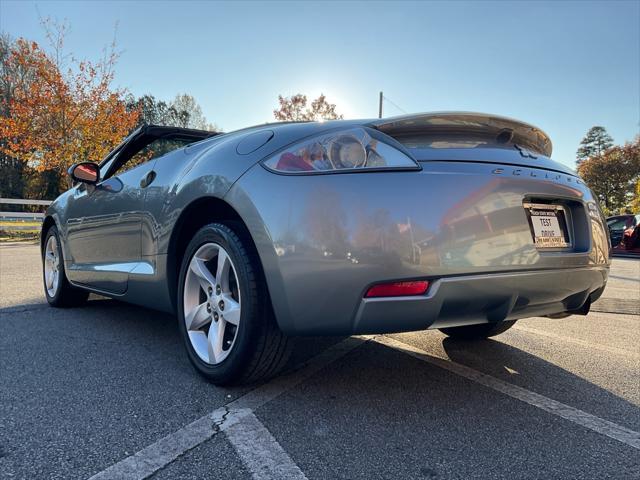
[295, 109]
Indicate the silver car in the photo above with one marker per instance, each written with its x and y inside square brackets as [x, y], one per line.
[454, 221]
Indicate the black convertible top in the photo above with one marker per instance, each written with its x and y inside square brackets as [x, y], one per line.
[146, 134]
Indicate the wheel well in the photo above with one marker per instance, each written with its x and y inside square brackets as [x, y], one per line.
[46, 225]
[196, 215]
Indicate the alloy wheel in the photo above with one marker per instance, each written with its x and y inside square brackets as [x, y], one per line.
[51, 266]
[212, 303]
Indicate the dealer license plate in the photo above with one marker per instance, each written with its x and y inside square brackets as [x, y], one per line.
[548, 225]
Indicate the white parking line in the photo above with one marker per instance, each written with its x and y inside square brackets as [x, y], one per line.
[164, 451]
[577, 341]
[596, 424]
[259, 451]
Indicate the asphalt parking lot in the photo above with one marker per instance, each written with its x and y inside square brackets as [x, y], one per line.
[107, 391]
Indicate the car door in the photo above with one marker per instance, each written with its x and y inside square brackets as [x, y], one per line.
[103, 224]
[105, 221]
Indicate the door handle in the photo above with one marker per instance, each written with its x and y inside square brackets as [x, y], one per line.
[147, 179]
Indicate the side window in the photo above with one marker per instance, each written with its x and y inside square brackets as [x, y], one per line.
[153, 150]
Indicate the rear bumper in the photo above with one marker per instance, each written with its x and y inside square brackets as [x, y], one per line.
[467, 300]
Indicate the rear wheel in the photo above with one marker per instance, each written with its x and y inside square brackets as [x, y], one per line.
[224, 312]
[59, 292]
[477, 332]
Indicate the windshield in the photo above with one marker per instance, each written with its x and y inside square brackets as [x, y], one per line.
[619, 223]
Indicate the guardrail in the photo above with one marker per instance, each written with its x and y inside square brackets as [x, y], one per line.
[19, 201]
[11, 221]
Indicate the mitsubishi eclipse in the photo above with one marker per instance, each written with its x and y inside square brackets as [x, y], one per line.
[453, 221]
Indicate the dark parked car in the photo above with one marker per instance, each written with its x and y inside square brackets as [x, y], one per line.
[624, 231]
[454, 221]
[617, 225]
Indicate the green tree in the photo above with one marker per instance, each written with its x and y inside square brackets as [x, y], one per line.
[192, 115]
[152, 111]
[612, 176]
[594, 144]
[183, 111]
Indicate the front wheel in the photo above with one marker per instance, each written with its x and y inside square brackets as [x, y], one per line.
[224, 311]
[59, 292]
[478, 332]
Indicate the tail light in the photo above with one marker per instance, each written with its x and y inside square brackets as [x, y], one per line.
[397, 289]
[354, 149]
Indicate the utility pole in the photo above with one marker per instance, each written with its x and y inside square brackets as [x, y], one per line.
[380, 106]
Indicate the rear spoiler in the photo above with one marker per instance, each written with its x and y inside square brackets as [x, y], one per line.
[504, 130]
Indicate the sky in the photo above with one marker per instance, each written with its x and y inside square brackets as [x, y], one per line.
[563, 66]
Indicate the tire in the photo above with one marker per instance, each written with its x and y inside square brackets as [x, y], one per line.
[257, 349]
[478, 332]
[60, 293]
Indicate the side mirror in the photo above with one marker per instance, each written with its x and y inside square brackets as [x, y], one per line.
[85, 172]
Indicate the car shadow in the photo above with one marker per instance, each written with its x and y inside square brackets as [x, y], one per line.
[516, 366]
[497, 359]
[513, 365]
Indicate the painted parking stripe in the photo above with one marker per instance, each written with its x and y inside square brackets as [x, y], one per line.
[596, 424]
[259, 451]
[577, 341]
[164, 451]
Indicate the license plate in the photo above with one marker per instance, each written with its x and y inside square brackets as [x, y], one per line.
[548, 226]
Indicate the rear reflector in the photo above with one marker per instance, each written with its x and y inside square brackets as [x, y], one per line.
[397, 289]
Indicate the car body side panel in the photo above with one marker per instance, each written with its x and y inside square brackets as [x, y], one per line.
[323, 239]
[57, 212]
[100, 228]
[101, 225]
[181, 178]
[203, 169]
[206, 169]
[148, 284]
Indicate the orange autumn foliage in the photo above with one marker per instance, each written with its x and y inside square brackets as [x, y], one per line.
[57, 118]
